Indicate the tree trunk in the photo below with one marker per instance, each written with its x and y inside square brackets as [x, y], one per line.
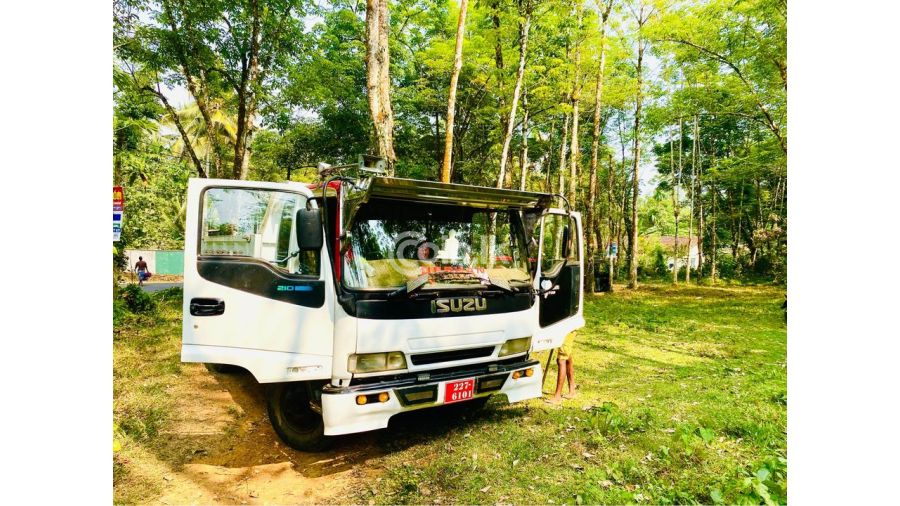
[687, 273]
[195, 85]
[524, 28]
[591, 207]
[674, 212]
[562, 156]
[714, 233]
[632, 261]
[184, 135]
[378, 80]
[247, 98]
[498, 61]
[575, 153]
[523, 180]
[451, 101]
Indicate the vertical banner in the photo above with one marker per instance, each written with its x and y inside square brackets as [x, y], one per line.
[118, 207]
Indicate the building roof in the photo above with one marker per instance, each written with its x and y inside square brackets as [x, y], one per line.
[669, 240]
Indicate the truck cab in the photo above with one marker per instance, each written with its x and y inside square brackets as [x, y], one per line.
[365, 296]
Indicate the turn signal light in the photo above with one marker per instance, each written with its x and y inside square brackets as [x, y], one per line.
[523, 372]
[366, 399]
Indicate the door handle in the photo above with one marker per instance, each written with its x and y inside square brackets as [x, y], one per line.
[207, 307]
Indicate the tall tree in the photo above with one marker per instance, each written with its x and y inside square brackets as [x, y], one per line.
[525, 9]
[591, 206]
[563, 146]
[226, 54]
[523, 159]
[687, 273]
[378, 80]
[575, 153]
[641, 14]
[451, 100]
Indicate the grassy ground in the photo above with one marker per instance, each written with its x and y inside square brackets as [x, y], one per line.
[682, 399]
[146, 366]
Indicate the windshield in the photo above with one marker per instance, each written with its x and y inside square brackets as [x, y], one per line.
[393, 242]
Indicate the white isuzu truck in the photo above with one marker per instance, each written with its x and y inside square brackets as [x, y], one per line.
[365, 296]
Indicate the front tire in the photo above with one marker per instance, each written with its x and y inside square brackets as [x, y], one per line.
[292, 417]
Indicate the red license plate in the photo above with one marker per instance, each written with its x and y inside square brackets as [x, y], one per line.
[462, 390]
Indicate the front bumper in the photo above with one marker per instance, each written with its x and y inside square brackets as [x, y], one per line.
[342, 414]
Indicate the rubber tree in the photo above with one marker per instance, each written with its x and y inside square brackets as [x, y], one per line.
[378, 80]
[451, 100]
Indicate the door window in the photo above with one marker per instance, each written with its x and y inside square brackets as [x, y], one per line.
[559, 243]
[259, 224]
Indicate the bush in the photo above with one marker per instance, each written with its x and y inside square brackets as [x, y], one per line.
[119, 312]
[727, 268]
[137, 300]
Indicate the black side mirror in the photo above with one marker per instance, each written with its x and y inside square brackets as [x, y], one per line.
[566, 240]
[310, 236]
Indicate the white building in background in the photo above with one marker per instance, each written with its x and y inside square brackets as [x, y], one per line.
[687, 256]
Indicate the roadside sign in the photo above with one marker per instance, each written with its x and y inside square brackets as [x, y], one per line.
[118, 208]
[613, 250]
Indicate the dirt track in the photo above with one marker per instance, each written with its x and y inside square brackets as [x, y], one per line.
[223, 449]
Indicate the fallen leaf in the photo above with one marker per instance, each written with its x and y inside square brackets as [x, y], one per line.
[587, 455]
[485, 489]
[515, 462]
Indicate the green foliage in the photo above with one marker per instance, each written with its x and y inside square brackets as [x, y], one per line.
[721, 62]
[120, 309]
[137, 300]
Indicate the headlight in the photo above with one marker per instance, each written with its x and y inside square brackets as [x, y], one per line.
[514, 346]
[375, 362]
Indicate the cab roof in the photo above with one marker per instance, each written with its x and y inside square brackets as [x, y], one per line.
[449, 193]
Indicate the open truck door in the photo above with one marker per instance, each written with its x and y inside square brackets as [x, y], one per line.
[559, 278]
[257, 288]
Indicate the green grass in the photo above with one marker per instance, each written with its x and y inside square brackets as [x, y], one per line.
[146, 364]
[682, 400]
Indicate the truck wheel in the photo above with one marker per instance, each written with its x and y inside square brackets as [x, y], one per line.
[296, 423]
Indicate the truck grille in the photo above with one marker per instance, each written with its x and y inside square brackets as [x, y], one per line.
[448, 356]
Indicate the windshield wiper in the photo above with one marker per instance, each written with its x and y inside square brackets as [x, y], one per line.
[501, 284]
[411, 286]
[414, 285]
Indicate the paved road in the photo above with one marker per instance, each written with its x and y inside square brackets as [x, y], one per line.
[155, 287]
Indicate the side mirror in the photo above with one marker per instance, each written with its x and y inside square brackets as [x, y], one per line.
[310, 236]
[566, 240]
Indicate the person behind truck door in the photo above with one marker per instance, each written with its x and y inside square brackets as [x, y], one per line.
[142, 271]
[564, 359]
